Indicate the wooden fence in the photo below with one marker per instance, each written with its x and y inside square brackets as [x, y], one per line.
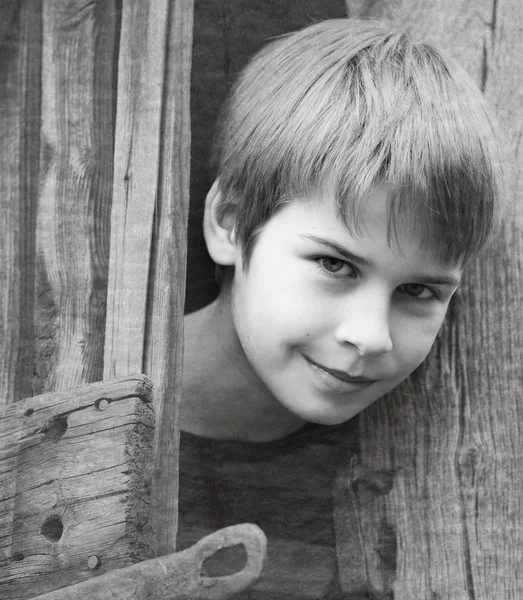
[95, 125]
[94, 187]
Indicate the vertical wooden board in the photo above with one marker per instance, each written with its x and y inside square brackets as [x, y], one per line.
[448, 526]
[149, 219]
[414, 541]
[489, 463]
[136, 167]
[75, 192]
[20, 58]
[163, 352]
[75, 474]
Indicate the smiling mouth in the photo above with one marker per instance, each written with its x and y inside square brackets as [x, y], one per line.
[340, 379]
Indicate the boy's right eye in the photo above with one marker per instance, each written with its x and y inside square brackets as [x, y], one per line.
[336, 267]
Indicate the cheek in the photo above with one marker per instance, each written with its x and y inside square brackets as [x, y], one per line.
[414, 341]
[275, 317]
[273, 292]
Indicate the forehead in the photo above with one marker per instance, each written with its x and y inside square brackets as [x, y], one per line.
[371, 227]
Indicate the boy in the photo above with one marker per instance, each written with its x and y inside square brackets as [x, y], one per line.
[356, 177]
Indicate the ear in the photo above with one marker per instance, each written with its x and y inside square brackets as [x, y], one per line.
[218, 228]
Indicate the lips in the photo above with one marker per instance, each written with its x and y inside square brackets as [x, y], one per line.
[339, 380]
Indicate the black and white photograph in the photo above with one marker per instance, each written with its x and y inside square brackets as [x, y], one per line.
[261, 292]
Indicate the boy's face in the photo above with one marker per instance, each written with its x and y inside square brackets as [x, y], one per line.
[331, 321]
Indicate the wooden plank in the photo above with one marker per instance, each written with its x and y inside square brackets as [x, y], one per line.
[20, 44]
[438, 496]
[163, 353]
[74, 484]
[141, 68]
[178, 576]
[148, 248]
[8, 20]
[75, 194]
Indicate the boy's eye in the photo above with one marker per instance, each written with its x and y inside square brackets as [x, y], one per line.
[417, 290]
[335, 266]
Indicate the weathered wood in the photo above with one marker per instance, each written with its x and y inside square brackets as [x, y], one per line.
[74, 484]
[349, 544]
[177, 576]
[8, 19]
[149, 221]
[163, 353]
[438, 494]
[141, 69]
[75, 193]
[20, 61]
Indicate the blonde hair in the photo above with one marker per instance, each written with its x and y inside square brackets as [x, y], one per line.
[345, 105]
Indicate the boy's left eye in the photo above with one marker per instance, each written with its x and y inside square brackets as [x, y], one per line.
[417, 291]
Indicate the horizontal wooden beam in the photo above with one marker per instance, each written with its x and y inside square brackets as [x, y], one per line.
[75, 473]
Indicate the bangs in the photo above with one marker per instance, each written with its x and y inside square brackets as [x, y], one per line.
[430, 140]
[394, 112]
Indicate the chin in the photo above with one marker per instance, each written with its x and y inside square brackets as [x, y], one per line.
[325, 417]
[333, 411]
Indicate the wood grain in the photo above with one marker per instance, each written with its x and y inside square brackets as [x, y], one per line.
[177, 576]
[447, 526]
[8, 21]
[163, 352]
[20, 58]
[74, 484]
[141, 68]
[75, 191]
[148, 245]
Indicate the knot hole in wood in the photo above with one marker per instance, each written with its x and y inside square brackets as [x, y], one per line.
[55, 429]
[52, 528]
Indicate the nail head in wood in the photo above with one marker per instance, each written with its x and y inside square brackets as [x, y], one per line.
[94, 563]
[102, 404]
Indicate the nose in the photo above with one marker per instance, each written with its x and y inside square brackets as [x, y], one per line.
[365, 324]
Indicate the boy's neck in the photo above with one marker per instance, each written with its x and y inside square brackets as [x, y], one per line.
[223, 398]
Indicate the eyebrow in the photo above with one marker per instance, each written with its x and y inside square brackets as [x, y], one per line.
[365, 262]
[359, 260]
